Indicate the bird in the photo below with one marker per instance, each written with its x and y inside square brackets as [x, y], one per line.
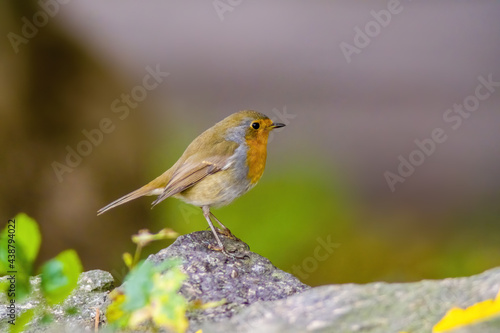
[221, 164]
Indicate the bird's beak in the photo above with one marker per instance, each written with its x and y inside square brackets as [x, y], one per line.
[277, 125]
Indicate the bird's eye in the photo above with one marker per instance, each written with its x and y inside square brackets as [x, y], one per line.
[255, 125]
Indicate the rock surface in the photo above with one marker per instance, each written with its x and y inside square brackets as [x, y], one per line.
[89, 296]
[261, 298]
[212, 276]
[371, 308]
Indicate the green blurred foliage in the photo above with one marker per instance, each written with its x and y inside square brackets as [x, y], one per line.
[22, 320]
[20, 242]
[60, 276]
[19, 246]
[150, 295]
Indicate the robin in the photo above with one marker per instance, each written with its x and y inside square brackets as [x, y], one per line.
[220, 165]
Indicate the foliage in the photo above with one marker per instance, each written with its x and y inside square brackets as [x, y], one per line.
[60, 276]
[149, 295]
[143, 238]
[19, 245]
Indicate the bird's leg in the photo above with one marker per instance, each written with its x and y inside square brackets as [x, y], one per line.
[220, 245]
[225, 230]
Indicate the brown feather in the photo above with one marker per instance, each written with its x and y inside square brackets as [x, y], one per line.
[148, 189]
[189, 174]
[145, 190]
[206, 155]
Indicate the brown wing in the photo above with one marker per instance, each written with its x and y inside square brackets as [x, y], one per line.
[189, 174]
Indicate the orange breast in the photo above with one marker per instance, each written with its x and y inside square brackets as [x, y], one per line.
[256, 157]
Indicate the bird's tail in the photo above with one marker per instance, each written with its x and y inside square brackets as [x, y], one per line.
[145, 190]
[155, 187]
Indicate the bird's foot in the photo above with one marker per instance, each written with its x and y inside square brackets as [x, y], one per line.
[226, 232]
[232, 254]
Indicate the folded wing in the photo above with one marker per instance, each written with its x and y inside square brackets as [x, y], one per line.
[189, 173]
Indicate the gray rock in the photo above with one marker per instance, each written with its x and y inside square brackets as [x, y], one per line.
[371, 308]
[89, 295]
[212, 276]
[261, 298]
[490, 326]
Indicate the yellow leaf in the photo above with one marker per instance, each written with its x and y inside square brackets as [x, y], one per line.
[128, 259]
[476, 313]
[140, 316]
[114, 311]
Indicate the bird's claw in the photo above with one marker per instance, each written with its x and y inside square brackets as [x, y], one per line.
[226, 232]
[223, 249]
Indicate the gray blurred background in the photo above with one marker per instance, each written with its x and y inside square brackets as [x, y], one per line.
[349, 118]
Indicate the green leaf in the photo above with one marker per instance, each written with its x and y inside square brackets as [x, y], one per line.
[138, 285]
[23, 286]
[24, 235]
[19, 246]
[114, 313]
[21, 321]
[167, 265]
[127, 258]
[60, 276]
[28, 236]
[168, 306]
[150, 292]
[47, 319]
[71, 311]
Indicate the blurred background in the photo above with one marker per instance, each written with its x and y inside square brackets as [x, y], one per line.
[99, 97]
